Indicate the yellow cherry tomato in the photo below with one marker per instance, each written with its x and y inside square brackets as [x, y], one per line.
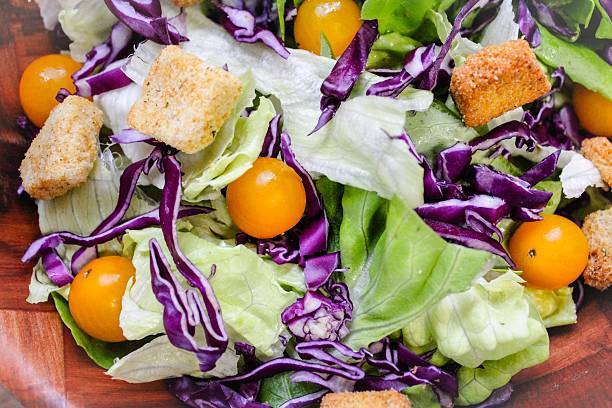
[594, 111]
[267, 200]
[40, 83]
[338, 19]
[95, 296]
[552, 253]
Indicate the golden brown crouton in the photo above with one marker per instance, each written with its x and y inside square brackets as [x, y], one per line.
[369, 399]
[599, 151]
[184, 101]
[496, 80]
[185, 3]
[63, 154]
[598, 230]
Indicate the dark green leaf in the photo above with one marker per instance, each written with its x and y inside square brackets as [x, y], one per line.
[331, 194]
[279, 389]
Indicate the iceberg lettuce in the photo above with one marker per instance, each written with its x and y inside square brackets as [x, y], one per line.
[556, 307]
[246, 287]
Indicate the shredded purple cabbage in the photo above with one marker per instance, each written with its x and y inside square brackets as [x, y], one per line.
[542, 170]
[26, 127]
[243, 26]
[452, 162]
[318, 269]
[144, 17]
[551, 20]
[337, 87]
[508, 130]
[491, 208]
[56, 270]
[485, 16]
[107, 80]
[498, 397]
[199, 393]
[528, 26]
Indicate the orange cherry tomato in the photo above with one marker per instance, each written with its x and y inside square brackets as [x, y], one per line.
[267, 200]
[40, 83]
[552, 253]
[594, 111]
[338, 19]
[95, 296]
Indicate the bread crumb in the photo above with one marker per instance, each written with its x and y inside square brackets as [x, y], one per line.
[370, 399]
[599, 151]
[597, 228]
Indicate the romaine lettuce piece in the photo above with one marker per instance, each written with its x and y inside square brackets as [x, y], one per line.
[403, 17]
[403, 272]
[245, 285]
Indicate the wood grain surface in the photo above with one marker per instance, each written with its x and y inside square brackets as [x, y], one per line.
[40, 365]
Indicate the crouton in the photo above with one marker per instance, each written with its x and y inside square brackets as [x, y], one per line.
[597, 228]
[184, 101]
[64, 152]
[370, 399]
[185, 3]
[599, 151]
[496, 80]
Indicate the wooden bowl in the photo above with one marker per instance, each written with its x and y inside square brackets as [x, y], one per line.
[40, 365]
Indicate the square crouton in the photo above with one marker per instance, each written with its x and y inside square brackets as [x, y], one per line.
[184, 101]
[373, 399]
[64, 152]
[599, 151]
[496, 80]
[597, 228]
[185, 3]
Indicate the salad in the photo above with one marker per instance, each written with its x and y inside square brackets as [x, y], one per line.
[334, 202]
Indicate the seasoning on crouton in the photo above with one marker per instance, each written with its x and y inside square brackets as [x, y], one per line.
[64, 152]
[496, 80]
[599, 151]
[185, 3]
[378, 399]
[184, 101]
[598, 230]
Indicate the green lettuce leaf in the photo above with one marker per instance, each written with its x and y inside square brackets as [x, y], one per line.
[246, 287]
[476, 384]
[436, 129]
[556, 307]
[331, 193]
[390, 49]
[490, 321]
[604, 30]
[576, 14]
[101, 352]
[421, 396]
[581, 64]
[554, 187]
[278, 389]
[401, 16]
[159, 359]
[403, 272]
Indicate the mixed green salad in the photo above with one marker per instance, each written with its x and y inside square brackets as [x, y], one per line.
[285, 199]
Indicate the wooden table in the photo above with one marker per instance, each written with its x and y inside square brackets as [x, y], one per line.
[42, 367]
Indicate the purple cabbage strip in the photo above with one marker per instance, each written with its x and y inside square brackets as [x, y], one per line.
[184, 310]
[469, 238]
[26, 127]
[476, 222]
[528, 26]
[430, 76]
[199, 393]
[485, 16]
[606, 54]
[271, 144]
[129, 136]
[513, 190]
[332, 383]
[242, 25]
[110, 79]
[316, 317]
[56, 270]
[525, 214]
[144, 17]
[337, 87]
[507, 130]
[452, 162]
[416, 62]
[318, 269]
[493, 209]
[542, 170]
[281, 249]
[551, 20]
[53, 240]
[127, 187]
[578, 293]
[104, 54]
[210, 316]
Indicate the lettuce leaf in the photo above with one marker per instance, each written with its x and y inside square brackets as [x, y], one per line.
[581, 64]
[351, 148]
[403, 272]
[278, 389]
[159, 359]
[102, 353]
[604, 30]
[502, 28]
[476, 384]
[490, 321]
[403, 16]
[556, 307]
[246, 287]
